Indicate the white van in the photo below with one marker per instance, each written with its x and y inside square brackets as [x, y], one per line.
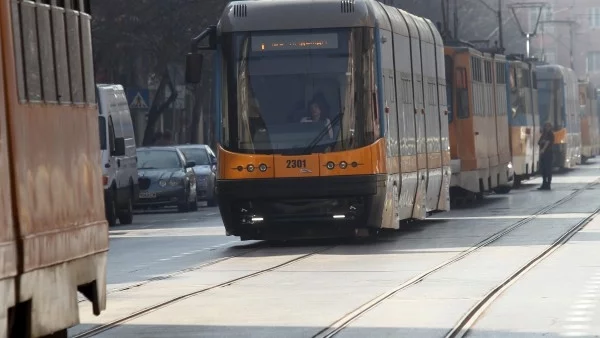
[118, 153]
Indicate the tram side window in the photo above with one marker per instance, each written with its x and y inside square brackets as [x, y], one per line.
[488, 72]
[53, 53]
[501, 80]
[27, 35]
[462, 93]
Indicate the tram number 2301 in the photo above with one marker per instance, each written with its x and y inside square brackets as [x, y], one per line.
[296, 163]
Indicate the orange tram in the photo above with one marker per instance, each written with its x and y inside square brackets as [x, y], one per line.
[333, 117]
[53, 232]
[342, 117]
[590, 129]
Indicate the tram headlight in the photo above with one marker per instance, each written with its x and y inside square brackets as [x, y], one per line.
[262, 167]
[330, 165]
[343, 165]
[250, 168]
[354, 164]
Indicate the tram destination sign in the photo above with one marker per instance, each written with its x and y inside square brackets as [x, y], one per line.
[268, 43]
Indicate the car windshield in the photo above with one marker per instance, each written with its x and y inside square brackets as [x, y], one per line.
[158, 159]
[102, 126]
[198, 155]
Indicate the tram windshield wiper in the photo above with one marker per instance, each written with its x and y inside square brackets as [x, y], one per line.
[320, 136]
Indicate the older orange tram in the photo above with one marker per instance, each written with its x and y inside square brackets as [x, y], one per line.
[53, 232]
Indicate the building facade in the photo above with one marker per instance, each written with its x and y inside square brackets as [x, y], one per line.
[568, 33]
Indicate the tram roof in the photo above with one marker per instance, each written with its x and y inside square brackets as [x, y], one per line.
[263, 15]
[553, 71]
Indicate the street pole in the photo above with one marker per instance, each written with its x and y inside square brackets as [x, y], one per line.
[571, 45]
[527, 34]
[456, 36]
[500, 30]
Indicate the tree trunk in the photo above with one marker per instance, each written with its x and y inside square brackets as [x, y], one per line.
[157, 108]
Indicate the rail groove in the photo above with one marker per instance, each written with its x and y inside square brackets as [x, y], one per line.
[468, 320]
[357, 313]
[115, 323]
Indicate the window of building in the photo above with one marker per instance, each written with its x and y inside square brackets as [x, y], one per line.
[550, 57]
[593, 62]
[547, 15]
[595, 17]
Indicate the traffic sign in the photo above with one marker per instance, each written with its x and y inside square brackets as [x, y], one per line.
[138, 98]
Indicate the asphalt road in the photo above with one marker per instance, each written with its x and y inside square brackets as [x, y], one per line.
[163, 242]
[302, 288]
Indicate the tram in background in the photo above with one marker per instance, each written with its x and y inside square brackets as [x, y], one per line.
[590, 134]
[558, 104]
[479, 135]
[523, 117]
[53, 232]
[370, 81]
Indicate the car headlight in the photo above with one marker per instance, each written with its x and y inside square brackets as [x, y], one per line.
[162, 183]
[175, 182]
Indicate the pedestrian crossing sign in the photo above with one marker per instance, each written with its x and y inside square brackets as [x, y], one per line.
[138, 102]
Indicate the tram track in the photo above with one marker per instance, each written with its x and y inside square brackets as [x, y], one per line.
[181, 271]
[350, 317]
[469, 319]
[118, 322]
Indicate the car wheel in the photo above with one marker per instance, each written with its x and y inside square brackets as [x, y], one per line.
[126, 216]
[185, 205]
[502, 190]
[194, 204]
[111, 211]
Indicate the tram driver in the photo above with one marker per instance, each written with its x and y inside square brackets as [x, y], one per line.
[317, 117]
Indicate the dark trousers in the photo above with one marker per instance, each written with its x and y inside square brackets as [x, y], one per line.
[546, 160]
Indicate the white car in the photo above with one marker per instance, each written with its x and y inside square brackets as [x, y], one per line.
[118, 154]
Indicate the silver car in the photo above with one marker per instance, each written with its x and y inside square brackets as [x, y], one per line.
[205, 170]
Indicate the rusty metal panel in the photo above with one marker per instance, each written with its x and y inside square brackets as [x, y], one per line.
[8, 258]
[54, 151]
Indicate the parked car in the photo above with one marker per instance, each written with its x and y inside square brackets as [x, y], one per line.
[166, 178]
[118, 154]
[205, 170]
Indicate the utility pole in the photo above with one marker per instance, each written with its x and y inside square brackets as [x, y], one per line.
[498, 13]
[500, 24]
[456, 35]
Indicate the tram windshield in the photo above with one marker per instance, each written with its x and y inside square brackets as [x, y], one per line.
[551, 103]
[299, 91]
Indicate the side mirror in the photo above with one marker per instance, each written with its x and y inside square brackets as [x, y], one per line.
[213, 168]
[193, 67]
[190, 164]
[119, 147]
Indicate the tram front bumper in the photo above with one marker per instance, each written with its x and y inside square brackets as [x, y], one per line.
[294, 203]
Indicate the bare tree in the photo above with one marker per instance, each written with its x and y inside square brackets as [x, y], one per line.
[138, 40]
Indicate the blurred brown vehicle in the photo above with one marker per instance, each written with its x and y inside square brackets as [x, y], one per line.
[53, 232]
